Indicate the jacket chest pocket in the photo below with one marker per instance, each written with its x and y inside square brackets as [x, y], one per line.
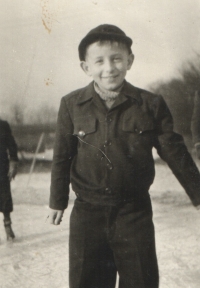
[141, 125]
[84, 126]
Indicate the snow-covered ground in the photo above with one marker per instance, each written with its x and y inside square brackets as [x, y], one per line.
[39, 256]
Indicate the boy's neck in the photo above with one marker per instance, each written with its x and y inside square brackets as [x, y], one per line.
[107, 95]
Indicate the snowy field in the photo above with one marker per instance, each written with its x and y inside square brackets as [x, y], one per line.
[39, 255]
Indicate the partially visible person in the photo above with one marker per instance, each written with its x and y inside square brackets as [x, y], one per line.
[195, 124]
[8, 171]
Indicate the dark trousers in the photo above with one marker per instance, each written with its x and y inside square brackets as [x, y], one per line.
[107, 240]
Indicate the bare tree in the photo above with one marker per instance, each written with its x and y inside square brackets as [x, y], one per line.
[179, 94]
[17, 114]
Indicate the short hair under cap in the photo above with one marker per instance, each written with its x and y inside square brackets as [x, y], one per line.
[103, 32]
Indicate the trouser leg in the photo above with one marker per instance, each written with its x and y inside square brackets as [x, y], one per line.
[91, 259]
[7, 217]
[133, 246]
[7, 224]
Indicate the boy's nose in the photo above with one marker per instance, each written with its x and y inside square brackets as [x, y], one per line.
[109, 66]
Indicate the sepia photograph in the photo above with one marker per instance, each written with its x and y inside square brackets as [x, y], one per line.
[100, 144]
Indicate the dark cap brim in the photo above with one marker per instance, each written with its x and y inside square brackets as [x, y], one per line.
[91, 38]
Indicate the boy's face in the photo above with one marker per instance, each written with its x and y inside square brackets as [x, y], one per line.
[107, 63]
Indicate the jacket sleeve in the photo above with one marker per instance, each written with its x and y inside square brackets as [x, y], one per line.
[171, 148]
[195, 122]
[64, 151]
[11, 144]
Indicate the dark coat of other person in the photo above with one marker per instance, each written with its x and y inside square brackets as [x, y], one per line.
[8, 156]
[195, 124]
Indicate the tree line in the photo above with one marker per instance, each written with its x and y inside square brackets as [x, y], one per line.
[179, 94]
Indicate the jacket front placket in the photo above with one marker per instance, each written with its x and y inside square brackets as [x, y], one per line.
[109, 121]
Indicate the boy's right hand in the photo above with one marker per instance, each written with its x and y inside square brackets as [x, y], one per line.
[55, 216]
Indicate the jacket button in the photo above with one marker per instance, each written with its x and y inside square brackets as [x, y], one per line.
[81, 133]
[107, 143]
[109, 166]
[108, 190]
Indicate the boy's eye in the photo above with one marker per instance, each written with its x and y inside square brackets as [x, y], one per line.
[99, 61]
[117, 59]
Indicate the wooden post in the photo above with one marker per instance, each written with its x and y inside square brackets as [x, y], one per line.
[35, 156]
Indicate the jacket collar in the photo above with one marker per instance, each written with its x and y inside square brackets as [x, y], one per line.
[131, 91]
[88, 93]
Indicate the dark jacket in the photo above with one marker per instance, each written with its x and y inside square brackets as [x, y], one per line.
[8, 151]
[8, 148]
[195, 123]
[107, 154]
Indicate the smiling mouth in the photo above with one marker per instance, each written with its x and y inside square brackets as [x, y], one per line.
[110, 77]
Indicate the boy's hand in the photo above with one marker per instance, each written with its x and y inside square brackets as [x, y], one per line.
[55, 216]
[12, 170]
[198, 207]
[198, 151]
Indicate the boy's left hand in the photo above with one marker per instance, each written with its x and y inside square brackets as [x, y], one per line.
[55, 216]
[12, 170]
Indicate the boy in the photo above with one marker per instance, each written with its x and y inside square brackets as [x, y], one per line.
[8, 171]
[104, 140]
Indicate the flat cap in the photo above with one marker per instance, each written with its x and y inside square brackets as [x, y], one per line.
[103, 32]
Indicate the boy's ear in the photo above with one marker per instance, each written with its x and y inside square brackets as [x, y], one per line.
[130, 61]
[84, 65]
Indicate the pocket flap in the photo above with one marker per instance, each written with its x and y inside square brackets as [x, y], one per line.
[84, 126]
[139, 125]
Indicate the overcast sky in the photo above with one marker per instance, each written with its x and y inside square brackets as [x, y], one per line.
[39, 39]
